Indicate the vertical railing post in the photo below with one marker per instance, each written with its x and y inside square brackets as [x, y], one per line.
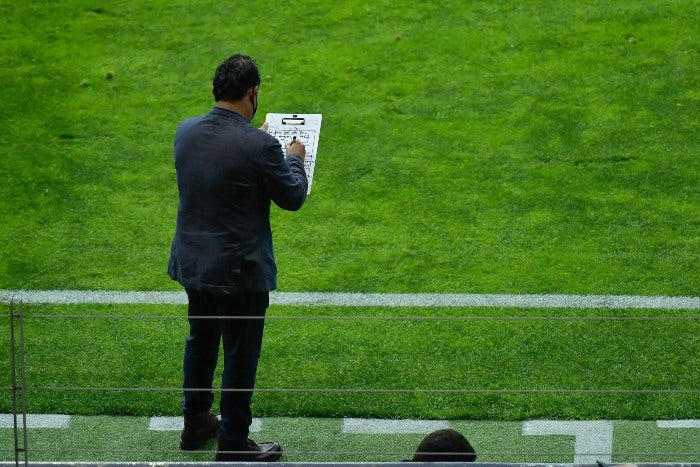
[19, 407]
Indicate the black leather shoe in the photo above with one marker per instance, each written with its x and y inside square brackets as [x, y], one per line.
[250, 451]
[198, 430]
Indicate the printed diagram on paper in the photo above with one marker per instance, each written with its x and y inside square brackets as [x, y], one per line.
[305, 127]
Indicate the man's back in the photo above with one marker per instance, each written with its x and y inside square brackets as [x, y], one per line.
[228, 172]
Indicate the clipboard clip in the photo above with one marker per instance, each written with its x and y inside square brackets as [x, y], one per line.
[293, 120]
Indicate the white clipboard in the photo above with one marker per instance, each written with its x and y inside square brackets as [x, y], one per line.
[304, 127]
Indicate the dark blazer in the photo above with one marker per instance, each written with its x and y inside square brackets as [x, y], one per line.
[228, 172]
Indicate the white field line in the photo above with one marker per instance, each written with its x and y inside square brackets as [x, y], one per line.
[593, 439]
[369, 299]
[35, 421]
[349, 425]
[177, 424]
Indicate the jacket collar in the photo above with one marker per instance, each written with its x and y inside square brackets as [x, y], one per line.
[221, 112]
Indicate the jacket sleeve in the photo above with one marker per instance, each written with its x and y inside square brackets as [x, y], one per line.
[284, 179]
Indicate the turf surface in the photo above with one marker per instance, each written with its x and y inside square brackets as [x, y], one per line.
[499, 147]
[100, 438]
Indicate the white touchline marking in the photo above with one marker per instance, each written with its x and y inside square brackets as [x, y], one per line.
[36, 421]
[177, 424]
[678, 423]
[593, 439]
[165, 424]
[369, 299]
[379, 426]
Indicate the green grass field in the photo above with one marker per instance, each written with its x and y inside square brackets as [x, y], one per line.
[508, 147]
[467, 147]
[128, 439]
[356, 360]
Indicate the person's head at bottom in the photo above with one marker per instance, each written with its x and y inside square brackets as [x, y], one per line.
[445, 445]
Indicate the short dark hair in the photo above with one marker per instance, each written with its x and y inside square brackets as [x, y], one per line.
[444, 446]
[234, 77]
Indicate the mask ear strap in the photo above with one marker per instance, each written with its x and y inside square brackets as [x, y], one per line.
[253, 93]
[252, 96]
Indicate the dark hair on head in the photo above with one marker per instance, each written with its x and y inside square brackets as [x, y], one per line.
[234, 77]
[445, 445]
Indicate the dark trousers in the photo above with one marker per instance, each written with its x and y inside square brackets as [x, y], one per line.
[237, 320]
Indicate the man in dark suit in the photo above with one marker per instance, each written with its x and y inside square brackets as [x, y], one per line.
[228, 173]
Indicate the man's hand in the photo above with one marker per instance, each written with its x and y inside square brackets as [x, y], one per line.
[292, 148]
[296, 148]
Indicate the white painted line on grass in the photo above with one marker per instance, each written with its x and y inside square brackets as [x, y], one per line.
[369, 299]
[36, 421]
[379, 426]
[177, 424]
[485, 300]
[165, 424]
[593, 439]
[93, 296]
[678, 423]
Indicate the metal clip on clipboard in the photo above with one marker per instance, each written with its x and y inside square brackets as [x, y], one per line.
[293, 120]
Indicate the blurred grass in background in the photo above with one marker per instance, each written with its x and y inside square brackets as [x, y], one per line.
[487, 147]
[484, 147]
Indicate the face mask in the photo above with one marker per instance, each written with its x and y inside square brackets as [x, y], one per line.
[255, 108]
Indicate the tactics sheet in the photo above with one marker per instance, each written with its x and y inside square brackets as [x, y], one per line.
[304, 127]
